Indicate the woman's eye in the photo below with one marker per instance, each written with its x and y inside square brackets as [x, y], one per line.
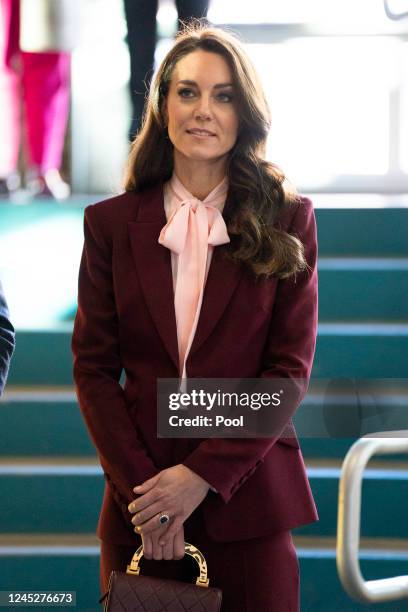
[225, 97]
[185, 92]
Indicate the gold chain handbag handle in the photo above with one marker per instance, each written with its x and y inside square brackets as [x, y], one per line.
[189, 549]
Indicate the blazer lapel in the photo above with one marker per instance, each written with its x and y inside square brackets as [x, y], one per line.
[223, 278]
[153, 264]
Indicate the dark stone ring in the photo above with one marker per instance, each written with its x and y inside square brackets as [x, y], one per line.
[163, 518]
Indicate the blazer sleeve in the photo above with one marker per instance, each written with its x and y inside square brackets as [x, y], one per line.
[227, 463]
[97, 369]
[7, 340]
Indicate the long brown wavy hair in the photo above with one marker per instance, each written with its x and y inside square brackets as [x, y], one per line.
[258, 191]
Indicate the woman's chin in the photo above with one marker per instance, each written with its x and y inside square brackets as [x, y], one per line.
[200, 155]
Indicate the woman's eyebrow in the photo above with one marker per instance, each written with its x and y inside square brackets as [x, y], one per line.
[218, 86]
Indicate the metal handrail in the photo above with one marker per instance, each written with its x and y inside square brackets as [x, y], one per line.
[348, 522]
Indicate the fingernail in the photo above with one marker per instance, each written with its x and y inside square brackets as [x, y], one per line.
[138, 529]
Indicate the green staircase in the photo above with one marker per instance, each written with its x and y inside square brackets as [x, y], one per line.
[50, 480]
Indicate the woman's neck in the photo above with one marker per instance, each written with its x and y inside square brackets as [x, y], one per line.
[199, 178]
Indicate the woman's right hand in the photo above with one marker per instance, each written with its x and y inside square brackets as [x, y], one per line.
[174, 549]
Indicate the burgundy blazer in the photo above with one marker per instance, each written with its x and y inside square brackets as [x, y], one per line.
[247, 329]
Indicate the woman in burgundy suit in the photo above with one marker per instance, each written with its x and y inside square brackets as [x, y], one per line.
[204, 267]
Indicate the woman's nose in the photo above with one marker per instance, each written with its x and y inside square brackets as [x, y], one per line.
[203, 109]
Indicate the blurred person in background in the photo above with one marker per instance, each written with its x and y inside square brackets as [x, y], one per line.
[141, 39]
[6, 340]
[36, 83]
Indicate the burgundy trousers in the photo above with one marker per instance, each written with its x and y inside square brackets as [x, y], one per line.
[258, 575]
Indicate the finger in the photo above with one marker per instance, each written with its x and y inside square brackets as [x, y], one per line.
[144, 501]
[178, 544]
[171, 531]
[157, 550]
[147, 546]
[168, 550]
[152, 524]
[147, 513]
[147, 484]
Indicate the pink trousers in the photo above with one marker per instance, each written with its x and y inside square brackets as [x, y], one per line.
[37, 84]
[259, 575]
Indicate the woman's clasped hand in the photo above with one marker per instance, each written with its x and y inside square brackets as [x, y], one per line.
[175, 492]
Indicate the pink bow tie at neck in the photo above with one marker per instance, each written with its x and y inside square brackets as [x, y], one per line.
[193, 228]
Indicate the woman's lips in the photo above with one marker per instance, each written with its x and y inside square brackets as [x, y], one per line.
[201, 133]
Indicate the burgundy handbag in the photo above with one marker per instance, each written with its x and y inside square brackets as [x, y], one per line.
[130, 592]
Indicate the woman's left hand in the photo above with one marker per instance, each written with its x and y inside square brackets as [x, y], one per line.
[176, 491]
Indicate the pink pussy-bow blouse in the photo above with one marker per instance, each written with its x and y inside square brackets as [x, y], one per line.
[194, 227]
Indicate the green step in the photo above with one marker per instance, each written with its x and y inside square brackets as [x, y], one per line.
[357, 350]
[377, 232]
[361, 351]
[321, 590]
[50, 486]
[361, 289]
[75, 567]
[56, 566]
[55, 417]
[62, 497]
[42, 357]
[383, 484]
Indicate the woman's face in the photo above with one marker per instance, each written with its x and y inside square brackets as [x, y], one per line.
[200, 108]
